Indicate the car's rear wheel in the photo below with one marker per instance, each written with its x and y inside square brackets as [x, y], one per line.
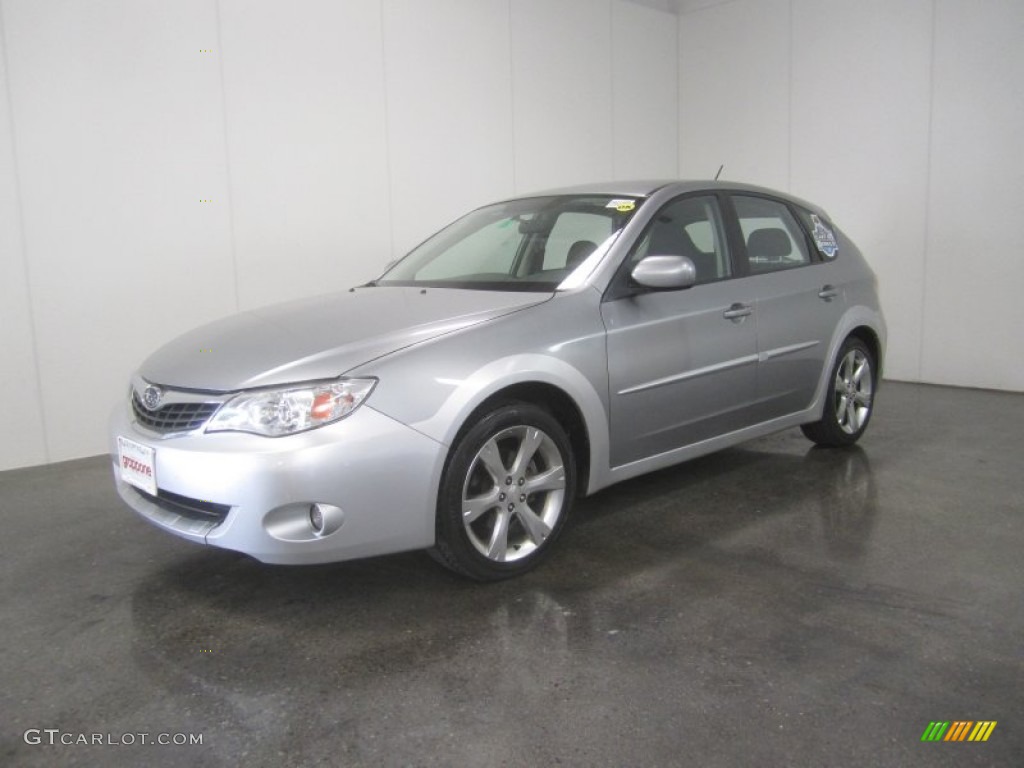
[505, 494]
[849, 400]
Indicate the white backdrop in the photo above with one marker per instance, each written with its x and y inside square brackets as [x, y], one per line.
[905, 120]
[328, 136]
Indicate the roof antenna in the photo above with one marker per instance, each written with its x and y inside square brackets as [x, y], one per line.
[719, 171]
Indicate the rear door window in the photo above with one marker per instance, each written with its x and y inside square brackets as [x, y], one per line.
[774, 241]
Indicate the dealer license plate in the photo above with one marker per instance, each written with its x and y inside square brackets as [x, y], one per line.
[138, 464]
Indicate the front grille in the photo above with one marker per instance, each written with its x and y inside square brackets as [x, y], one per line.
[193, 509]
[173, 417]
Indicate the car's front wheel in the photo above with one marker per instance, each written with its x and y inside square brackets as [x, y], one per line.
[849, 399]
[505, 494]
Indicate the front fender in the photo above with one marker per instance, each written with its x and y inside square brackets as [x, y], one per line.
[505, 372]
[442, 418]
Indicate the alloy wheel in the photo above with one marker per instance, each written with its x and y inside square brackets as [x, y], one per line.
[853, 391]
[513, 494]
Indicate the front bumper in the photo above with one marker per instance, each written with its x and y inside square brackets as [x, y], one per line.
[381, 475]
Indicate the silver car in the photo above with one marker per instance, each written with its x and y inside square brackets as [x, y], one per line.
[533, 352]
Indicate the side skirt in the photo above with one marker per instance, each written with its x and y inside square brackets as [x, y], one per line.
[712, 444]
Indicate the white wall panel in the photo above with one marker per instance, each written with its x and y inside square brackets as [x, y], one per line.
[974, 315]
[20, 406]
[449, 86]
[119, 136]
[645, 93]
[179, 161]
[734, 62]
[860, 107]
[306, 145]
[562, 101]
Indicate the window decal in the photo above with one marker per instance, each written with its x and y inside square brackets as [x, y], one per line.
[824, 238]
[622, 206]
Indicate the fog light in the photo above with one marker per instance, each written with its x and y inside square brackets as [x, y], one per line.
[309, 521]
[316, 519]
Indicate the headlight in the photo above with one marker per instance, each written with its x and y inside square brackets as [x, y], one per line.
[277, 412]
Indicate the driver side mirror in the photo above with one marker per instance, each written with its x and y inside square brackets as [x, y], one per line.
[665, 273]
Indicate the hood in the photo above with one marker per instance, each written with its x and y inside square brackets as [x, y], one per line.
[321, 337]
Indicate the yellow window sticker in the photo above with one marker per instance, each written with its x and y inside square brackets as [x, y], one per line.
[622, 206]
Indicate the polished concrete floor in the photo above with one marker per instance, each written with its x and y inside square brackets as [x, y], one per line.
[772, 605]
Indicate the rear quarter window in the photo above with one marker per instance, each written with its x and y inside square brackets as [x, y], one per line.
[822, 233]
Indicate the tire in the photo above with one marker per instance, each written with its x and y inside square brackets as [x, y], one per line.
[849, 401]
[505, 493]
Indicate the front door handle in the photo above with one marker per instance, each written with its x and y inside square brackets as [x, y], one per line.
[828, 292]
[737, 312]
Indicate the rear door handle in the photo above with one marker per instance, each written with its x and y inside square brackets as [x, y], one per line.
[828, 292]
[737, 312]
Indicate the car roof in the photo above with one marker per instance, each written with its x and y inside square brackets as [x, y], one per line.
[636, 187]
[647, 187]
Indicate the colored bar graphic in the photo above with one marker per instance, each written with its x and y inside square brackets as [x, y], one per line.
[982, 730]
[958, 730]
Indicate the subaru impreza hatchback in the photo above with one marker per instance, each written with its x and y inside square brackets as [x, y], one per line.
[535, 351]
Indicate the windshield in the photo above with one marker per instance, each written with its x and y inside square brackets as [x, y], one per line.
[530, 244]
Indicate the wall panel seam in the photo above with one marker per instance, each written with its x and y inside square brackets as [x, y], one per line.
[789, 103]
[232, 246]
[33, 337]
[611, 93]
[927, 196]
[678, 85]
[387, 131]
[512, 92]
